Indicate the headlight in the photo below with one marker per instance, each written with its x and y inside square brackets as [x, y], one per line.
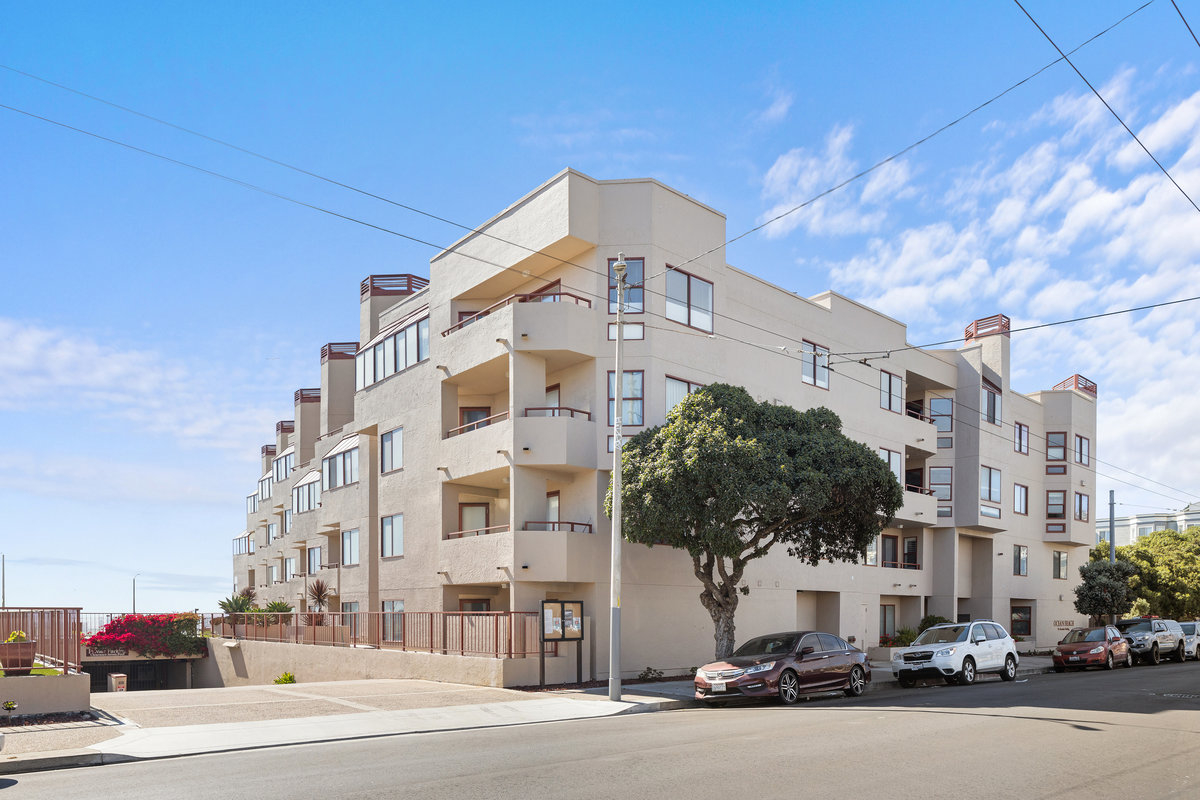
[897, 656]
[946, 651]
[1096, 650]
[1142, 637]
[759, 667]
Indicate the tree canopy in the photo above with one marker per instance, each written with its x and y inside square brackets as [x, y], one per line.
[1165, 571]
[1104, 589]
[728, 478]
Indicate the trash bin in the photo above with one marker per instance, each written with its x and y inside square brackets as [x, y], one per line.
[116, 682]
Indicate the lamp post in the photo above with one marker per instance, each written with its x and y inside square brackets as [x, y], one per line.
[614, 633]
[135, 577]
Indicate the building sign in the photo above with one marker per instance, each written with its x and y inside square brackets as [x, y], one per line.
[562, 620]
[107, 652]
[1064, 624]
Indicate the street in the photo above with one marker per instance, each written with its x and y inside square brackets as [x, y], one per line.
[1123, 733]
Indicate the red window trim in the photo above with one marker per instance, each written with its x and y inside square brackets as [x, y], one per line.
[1024, 513]
[1087, 511]
[1056, 527]
[1088, 460]
[948, 415]
[712, 312]
[1063, 492]
[1011, 620]
[462, 413]
[1017, 428]
[1056, 469]
[896, 377]
[1064, 445]
[989, 498]
[487, 514]
[619, 389]
[883, 562]
[930, 483]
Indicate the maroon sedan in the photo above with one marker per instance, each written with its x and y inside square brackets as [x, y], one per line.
[1092, 647]
[787, 666]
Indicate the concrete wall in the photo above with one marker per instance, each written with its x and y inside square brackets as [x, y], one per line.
[48, 694]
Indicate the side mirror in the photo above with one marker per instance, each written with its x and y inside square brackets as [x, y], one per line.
[804, 651]
[1062, 641]
[980, 638]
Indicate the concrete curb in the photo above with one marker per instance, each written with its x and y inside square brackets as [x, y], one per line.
[50, 759]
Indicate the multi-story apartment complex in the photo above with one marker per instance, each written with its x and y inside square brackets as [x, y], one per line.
[1128, 529]
[457, 456]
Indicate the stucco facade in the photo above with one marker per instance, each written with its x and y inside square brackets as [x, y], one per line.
[506, 439]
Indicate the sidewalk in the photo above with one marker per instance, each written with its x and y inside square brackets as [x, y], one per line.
[161, 724]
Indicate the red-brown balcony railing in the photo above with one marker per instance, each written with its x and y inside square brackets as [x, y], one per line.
[557, 411]
[308, 395]
[572, 527]
[268, 450]
[377, 285]
[55, 633]
[902, 564]
[479, 423]
[285, 426]
[477, 532]
[1077, 382]
[917, 415]
[988, 326]
[338, 350]
[918, 490]
[536, 297]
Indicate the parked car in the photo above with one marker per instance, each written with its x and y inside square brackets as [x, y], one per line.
[787, 666]
[1153, 639]
[1191, 639]
[957, 652]
[1092, 647]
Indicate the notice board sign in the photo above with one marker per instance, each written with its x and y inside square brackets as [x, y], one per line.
[562, 620]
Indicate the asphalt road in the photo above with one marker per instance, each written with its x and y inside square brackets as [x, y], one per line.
[1120, 734]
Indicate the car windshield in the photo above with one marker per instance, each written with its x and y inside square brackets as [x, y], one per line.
[767, 646]
[1133, 625]
[948, 633]
[1189, 628]
[1082, 635]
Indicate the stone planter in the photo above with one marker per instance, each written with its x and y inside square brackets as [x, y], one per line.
[17, 657]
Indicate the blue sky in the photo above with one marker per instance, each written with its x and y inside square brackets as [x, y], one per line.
[155, 321]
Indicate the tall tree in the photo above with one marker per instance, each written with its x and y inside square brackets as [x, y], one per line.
[1105, 588]
[728, 478]
[1168, 572]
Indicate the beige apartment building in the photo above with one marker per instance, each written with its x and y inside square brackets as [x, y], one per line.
[456, 457]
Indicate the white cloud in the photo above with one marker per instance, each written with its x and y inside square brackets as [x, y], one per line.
[781, 103]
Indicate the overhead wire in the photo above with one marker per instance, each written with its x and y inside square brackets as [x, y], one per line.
[1185, 23]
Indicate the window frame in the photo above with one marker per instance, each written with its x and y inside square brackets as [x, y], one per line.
[1021, 493]
[689, 305]
[345, 548]
[895, 542]
[1083, 455]
[811, 357]
[991, 402]
[640, 400]
[1021, 438]
[891, 380]
[1061, 504]
[1020, 627]
[387, 540]
[949, 484]
[995, 484]
[630, 287]
[948, 415]
[1082, 510]
[387, 451]
[1061, 448]
[692, 388]
[1060, 563]
[1020, 561]
[487, 515]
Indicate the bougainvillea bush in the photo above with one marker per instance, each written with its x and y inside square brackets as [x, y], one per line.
[153, 635]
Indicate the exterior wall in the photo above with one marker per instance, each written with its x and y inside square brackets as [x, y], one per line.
[1128, 529]
[504, 361]
[48, 694]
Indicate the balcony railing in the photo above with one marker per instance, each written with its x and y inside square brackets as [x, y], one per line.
[543, 297]
[573, 527]
[377, 285]
[918, 415]
[285, 426]
[477, 532]
[1077, 382]
[557, 411]
[308, 395]
[479, 423]
[55, 631]
[338, 350]
[988, 326]
[918, 490]
[902, 564]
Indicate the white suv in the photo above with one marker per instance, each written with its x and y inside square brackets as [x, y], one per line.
[957, 652]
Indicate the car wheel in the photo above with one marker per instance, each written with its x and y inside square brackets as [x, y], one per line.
[1180, 653]
[1129, 659]
[1153, 657]
[857, 683]
[907, 683]
[966, 675]
[789, 688]
[1060, 669]
[1010, 668]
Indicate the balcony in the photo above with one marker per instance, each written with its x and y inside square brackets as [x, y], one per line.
[538, 297]
[988, 326]
[1079, 384]
[526, 555]
[554, 437]
[477, 448]
[919, 508]
[478, 532]
[476, 425]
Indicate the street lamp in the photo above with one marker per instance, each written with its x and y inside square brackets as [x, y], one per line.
[135, 577]
[614, 633]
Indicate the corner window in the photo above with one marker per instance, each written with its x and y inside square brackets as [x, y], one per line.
[891, 392]
[989, 484]
[391, 450]
[1021, 438]
[1056, 446]
[677, 390]
[632, 394]
[1081, 507]
[1020, 560]
[689, 300]
[989, 402]
[1083, 449]
[814, 364]
[1056, 505]
[391, 535]
[635, 275]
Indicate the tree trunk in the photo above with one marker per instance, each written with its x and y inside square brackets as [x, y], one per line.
[723, 632]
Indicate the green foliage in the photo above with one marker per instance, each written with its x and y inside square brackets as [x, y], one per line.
[286, 677]
[928, 621]
[901, 638]
[1168, 572]
[650, 674]
[236, 604]
[1105, 588]
[152, 634]
[728, 478]
[1140, 608]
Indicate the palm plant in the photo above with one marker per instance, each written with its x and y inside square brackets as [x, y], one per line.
[274, 609]
[319, 593]
[237, 604]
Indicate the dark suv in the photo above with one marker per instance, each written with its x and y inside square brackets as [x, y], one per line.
[1152, 639]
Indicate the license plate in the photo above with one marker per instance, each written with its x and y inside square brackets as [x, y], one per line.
[718, 686]
[1072, 658]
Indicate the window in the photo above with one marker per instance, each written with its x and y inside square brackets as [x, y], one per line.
[273, 573]
[391, 534]
[1082, 450]
[1020, 499]
[1056, 505]
[289, 568]
[1022, 621]
[350, 547]
[910, 553]
[396, 353]
[252, 503]
[612, 442]
[1060, 565]
[887, 620]
[287, 521]
[283, 466]
[945, 441]
[306, 496]
[814, 364]
[1021, 438]
[689, 300]
[314, 560]
[1056, 469]
[634, 331]
[340, 469]
[1081, 507]
[945, 511]
[1020, 559]
[891, 392]
[632, 393]
[941, 411]
[1056, 446]
[391, 450]
[264, 488]
[989, 402]
[989, 484]
[871, 554]
[895, 462]
[678, 389]
[989, 511]
[940, 482]
[473, 517]
[891, 551]
[393, 620]
[272, 531]
[635, 274]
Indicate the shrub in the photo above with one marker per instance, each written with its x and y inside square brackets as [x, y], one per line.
[650, 674]
[929, 620]
[901, 638]
[152, 634]
[286, 677]
[17, 636]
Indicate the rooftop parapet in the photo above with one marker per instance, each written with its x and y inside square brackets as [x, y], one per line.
[1077, 382]
[381, 285]
[988, 326]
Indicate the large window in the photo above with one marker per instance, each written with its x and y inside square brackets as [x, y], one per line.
[941, 482]
[1060, 565]
[1056, 505]
[891, 392]
[289, 568]
[635, 275]
[633, 395]
[941, 411]
[1056, 446]
[391, 534]
[989, 402]
[349, 547]
[306, 496]
[394, 353]
[1021, 438]
[891, 550]
[283, 466]
[314, 560]
[1020, 560]
[393, 620]
[272, 531]
[895, 462]
[391, 450]
[252, 503]
[814, 364]
[1083, 450]
[678, 389]
[1022, 621]
[1020, 499]
[871, 554]
[1081, 506]
[689, 300]
[989, 484]
[339, 469]
[264, 488]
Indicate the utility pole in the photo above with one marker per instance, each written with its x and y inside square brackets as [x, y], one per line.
[135, 577]
[1112, 525]
[3, 582]
[614, 632]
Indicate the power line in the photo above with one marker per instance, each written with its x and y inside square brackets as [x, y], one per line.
[1185, 23]
[1110, 108]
